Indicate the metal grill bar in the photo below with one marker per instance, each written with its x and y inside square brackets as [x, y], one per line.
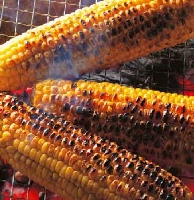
[2, 8]
[19, 15]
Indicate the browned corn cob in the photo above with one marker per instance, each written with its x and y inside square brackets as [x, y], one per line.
[75, 163]
[101, 36]
[160, 129]
[94, 93]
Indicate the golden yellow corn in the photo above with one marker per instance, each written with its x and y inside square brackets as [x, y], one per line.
[98, 37]
[158, 126]
[93, 93]
[77, 164]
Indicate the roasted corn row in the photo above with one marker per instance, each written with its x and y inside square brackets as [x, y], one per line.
[53, 92]
[77, 164]
[101, 36]
[156, 125]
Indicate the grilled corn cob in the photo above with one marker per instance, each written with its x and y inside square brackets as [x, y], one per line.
[156, 125]
[77, 164]
[92, 92]
[101, 36]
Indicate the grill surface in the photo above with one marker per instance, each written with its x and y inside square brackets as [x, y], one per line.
[171, 70]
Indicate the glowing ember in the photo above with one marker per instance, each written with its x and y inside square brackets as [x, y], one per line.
[188, 86]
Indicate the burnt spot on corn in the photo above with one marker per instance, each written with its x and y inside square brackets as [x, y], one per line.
[129, 22]
[148, 24]
[103, 37]
[165, 115]
[65, 107]
[35, 126]
[131, 34]
[62, 54]
[152, 33]
[81, 35]
[158, 115]
[113, 32]
[134, 109]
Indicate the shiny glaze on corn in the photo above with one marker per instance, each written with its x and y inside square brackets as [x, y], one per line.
[156, 125]
[101, 36]
[77, 164]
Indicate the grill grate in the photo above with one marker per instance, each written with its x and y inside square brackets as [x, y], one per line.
[17, 16]
[171, 70]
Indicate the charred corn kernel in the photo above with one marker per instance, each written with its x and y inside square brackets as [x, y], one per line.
[104, 169]
[158, 129]
[98, 37]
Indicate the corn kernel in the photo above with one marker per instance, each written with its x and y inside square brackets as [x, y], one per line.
[28, 162]
[59, 166]
[37, 156]
[45, 147]
[48, 162]
[53, 164]
[84, 181]
[16, 143]
[43, 159]
[32, 153]
[70, 187]
[39, 170]
[68, 173]
[10, 149]
[80, 193]
[21, 146]
[27, 149]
